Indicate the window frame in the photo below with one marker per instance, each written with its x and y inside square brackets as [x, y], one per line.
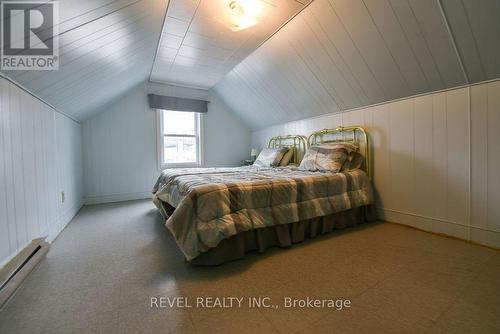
[160, 136]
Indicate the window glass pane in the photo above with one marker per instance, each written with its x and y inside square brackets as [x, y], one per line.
[179, 149]
[179, 123]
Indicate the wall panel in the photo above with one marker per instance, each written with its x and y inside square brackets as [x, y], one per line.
[457, 119]
[401, 155]
[493, 166]
[479, 156]
[423, 155]
[439, 156]
[40, 157]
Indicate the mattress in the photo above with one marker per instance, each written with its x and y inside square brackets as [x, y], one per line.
[204, 206]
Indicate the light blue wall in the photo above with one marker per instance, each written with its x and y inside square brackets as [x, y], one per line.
[227, 139]
[120, 157]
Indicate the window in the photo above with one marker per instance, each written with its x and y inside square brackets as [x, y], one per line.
[179, 139]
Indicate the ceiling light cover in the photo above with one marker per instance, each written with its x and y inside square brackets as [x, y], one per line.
[243, 14]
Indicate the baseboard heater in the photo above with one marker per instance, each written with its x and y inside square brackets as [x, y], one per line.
[17, 269]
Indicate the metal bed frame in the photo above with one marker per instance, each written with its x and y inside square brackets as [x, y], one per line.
[351, 134]
[295, 142]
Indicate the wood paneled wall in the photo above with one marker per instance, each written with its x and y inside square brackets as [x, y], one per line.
[40, 157]
[436, 158]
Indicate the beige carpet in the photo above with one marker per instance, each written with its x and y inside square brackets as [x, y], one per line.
[103, 269]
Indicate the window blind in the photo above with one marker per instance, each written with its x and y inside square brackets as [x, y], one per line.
[177, 103]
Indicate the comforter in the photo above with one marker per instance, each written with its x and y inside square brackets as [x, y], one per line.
[204, 206]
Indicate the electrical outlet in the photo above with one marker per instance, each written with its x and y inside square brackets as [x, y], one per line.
[63, 197]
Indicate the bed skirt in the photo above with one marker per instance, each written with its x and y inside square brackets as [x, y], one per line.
[260, 239]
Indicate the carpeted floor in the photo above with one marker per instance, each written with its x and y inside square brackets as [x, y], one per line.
[104, 268]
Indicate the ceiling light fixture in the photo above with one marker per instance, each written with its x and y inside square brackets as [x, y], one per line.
[243, 14]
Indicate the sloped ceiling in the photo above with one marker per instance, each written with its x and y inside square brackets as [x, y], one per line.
[342, 54]
[198, 49]
[106, 48]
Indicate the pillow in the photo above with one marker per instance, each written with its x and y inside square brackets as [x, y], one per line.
[350, 147]
[329, 157]
[354, 161]
[270, 157]
[287, 157]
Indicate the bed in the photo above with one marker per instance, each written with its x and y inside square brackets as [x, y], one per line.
[219, 214]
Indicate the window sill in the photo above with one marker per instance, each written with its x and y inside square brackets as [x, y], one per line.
[186, 165]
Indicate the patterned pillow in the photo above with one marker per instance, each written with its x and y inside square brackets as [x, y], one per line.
[350, 147]
[354, 161]
[270, 157]
[287, 157]
[329, 157]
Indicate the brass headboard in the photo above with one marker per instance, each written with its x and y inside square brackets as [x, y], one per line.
[350, 134]
[296, 142]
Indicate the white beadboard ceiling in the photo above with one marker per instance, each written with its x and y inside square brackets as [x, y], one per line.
[106, 47]
[342, 54]
[198, 49]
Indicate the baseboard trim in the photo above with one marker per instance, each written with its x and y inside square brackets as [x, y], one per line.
[471, 234]
[91, 200]
[442, 235]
